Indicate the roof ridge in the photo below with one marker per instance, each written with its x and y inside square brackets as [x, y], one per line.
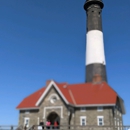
[72, 97]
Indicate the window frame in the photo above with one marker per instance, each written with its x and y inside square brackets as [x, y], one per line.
[85, 118]
[83, 109]
[98, 122]
[115, 121]
[100, 108]
[25, 119]
[27, 112]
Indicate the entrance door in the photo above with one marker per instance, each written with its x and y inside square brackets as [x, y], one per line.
[53, 117]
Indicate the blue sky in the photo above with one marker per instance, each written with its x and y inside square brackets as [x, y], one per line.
[45, 39]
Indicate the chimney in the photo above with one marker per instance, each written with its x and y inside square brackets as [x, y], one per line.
[47, 82]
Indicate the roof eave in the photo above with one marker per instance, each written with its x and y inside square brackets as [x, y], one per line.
[92, 105]
[28, 108]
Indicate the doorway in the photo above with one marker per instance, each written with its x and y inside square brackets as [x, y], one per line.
[52, 117]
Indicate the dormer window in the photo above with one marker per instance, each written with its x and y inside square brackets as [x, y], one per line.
[27, 112]
[100, 108]
[83, 109]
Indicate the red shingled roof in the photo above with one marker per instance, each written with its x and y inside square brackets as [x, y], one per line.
[30, 101]
[89, 93]
[77, 94]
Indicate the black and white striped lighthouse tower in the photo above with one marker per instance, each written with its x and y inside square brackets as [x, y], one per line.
[95, 57]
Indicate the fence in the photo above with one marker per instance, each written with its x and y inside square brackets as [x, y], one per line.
[66, 127]
[8, 127]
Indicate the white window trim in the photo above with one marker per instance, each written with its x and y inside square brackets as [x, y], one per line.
[115, 121]
[53, 107]
[83, 109]
[26, 118]
[27, 112]
[120, 114]
[38, 121]
[82, 117]
[117, 112]
[100, 108]
[118, 122]
[102, 120]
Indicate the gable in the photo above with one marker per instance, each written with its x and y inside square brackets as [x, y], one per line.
[52, 84]
[52, 98]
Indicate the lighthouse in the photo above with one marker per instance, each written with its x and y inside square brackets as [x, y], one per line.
[95, 56]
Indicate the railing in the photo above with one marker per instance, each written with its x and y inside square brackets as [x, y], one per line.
[10, 127]
[65, 127]
[77, 127]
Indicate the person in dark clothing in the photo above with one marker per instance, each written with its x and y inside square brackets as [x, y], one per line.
[41, 124]
[25, 127]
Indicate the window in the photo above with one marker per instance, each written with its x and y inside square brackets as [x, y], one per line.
[53, 99]
[99, 108]
[83, 120]
[118, 124]
[121, 123]
[115, 121]
[27, 112]
[26, 121]
[83, 109]
[100, 120]
[117, 112]
[120, 114]
[38, 121]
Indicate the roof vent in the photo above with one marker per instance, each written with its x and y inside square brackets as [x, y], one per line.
[65, 86]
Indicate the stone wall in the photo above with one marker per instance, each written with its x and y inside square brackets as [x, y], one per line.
[91, 114]
[32, 115]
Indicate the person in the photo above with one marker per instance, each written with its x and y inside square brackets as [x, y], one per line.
[33, 127]
[48, 124]
[41, 124]
[55, 125]
[25, 127]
